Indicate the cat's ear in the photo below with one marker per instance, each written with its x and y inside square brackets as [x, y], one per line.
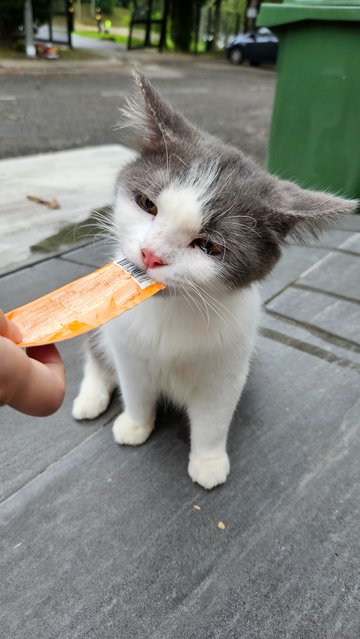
[153, 118]
[302, 212]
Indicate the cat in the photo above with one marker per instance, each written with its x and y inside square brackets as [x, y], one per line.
[207, 221]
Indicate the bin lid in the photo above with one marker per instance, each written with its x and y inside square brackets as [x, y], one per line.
[326, 3]
[272, 15]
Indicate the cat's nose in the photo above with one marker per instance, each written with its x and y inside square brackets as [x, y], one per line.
[150, 260]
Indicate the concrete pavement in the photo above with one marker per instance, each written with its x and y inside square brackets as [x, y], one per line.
[80, 180]
[100, 541]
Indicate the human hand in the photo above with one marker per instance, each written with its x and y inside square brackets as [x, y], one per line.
[32, 382]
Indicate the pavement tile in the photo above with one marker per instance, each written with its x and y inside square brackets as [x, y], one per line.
[336, 273]
[96, 254]
[332, 239]
[302, 338]
[29, 283]
[337, 317]
[294, 261]
[30, 444]
[352, 243]
[349, 222]
[37, 257]
[106, 543]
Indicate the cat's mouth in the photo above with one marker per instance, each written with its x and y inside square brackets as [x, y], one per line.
[161, 274]
[158, 274]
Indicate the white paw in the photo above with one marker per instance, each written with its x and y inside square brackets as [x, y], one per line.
[88, 406]
[127, 431]
[209, 472]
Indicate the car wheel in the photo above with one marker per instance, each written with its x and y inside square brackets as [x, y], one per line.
[236, 55]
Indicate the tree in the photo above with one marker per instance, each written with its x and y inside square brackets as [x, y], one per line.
[217, 6]
[183, 14]
[12, 16]
[106, 6]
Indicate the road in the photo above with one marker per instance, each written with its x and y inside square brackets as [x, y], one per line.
[64, 108]
[80, 42]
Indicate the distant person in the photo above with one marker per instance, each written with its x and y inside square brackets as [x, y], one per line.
[107, 25]
[31, 381]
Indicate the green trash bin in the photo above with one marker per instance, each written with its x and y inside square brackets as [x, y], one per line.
[315, 130]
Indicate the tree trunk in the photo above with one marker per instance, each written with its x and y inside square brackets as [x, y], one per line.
[217, 21]
[162, 42]
[29, 33]
[252, 7]
[182, 23]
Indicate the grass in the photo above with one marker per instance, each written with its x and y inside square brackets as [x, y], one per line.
[10, 52]
[120, 39]
[77, 54]
[119, 17]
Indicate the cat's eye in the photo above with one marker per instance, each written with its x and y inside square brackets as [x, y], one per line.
[207, 247]
[147, 205]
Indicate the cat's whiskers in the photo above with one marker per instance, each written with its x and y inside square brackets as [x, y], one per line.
[198, 304]
[182, 291]
[206, 302]
[179, 158]
[198, 299]
[225, 185]
[230, 313]
[237, 217]
[224, 213]
[102, 221]
[214, 303]
[166, 149]
[99, 223]
[187, 293]
[247, 227]
[221, 244]
[250, 228]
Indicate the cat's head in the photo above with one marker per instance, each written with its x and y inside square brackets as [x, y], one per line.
[194, 211]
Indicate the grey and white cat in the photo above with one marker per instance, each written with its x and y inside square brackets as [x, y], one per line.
[205, 220]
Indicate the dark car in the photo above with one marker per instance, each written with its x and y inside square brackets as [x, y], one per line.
[258, 47]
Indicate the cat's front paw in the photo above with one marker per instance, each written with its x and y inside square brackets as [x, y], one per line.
[89, 406]
[127, 431]
[209, 472]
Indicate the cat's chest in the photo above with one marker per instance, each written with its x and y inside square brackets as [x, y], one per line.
[159, 331]
[167, 329]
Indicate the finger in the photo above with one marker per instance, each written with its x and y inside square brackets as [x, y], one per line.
[47, 354]
[9, 329]
[27, 384]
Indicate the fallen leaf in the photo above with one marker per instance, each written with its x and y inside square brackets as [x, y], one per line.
[51, 204]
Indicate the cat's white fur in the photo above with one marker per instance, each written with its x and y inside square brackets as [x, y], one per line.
[192, 346]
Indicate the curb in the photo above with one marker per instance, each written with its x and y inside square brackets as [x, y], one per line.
[108, 62]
